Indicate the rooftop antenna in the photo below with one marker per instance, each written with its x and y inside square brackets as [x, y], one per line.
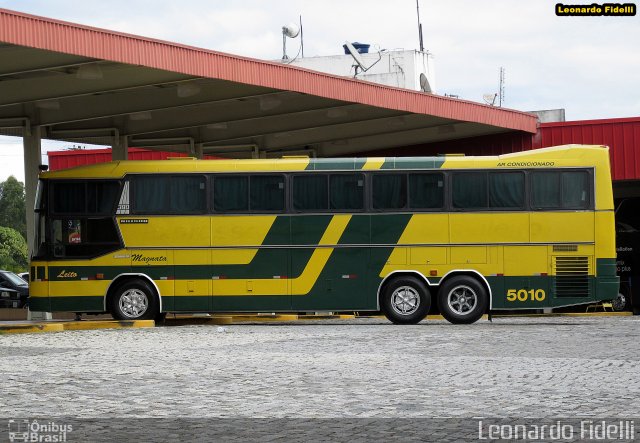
[501, 90]
[301, 37]
[359, 60]
[291, 30]
[419, 26]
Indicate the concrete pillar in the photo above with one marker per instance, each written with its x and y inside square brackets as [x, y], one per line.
[120, 148]
[199, 151]
[32, 145]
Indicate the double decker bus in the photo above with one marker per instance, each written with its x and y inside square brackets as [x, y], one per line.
[139, 239]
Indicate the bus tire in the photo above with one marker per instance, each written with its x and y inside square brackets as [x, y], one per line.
[405, 300]
[134, 300]
[623, 301]
[462, 300]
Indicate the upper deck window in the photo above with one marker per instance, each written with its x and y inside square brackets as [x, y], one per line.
[169, 194]
[84, 197]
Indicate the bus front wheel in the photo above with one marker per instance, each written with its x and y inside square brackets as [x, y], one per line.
[462, 300]
[405, 300]
[134, 300]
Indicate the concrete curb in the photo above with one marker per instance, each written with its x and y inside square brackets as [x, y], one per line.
[23, 328]
[60, 326]
[569, 314]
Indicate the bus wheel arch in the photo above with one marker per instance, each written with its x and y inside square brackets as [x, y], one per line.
[404, 297]
[463, 296]
[138, 286]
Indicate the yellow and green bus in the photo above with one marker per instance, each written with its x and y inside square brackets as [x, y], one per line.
[468, 235]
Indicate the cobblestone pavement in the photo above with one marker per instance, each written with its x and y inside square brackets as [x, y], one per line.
[543, 367]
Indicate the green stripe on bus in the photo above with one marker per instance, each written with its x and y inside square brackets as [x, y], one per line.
[354, 271]
[336, 164]
[413, 163]
[77, 304]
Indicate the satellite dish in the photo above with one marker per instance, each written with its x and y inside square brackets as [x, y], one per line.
[490, 99]
[424, 84]
[291, 30]
[358, 58]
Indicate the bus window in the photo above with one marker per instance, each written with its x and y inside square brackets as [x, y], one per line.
[575, 190]
[150, 195]
[389, 191]
[311, 192]
[187, 194]
[346, 191]
[545, 189]
[69, 198]
[169, 194]
[101, 196]
[266, 193]
[506, 190]
[469, 190]
[426, 191]
[560, 189]
[230, 193]
[88, 197]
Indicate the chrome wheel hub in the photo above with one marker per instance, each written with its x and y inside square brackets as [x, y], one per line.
[462, 300]
[405, 300]
[619, 302]
[133, 303]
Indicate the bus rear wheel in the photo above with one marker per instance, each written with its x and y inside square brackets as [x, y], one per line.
[134, 300]
[623, 301]
[462, 300]
[405, 300]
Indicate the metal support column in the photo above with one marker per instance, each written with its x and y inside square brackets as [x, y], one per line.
[32, 145]
[120, 148]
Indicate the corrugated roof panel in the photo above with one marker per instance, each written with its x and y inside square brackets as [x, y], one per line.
[621, 135]
[48, 34]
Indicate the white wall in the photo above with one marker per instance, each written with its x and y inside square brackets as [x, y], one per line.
[399, 68]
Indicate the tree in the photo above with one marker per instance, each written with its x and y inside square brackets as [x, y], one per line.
[12, 205]
[13, 250]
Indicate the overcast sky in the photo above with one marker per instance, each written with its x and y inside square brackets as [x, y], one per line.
[588, 65]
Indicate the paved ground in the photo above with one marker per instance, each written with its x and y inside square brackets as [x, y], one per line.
[349, 369]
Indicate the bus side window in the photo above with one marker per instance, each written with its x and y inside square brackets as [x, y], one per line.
[389, 191]
[506, 190]
[310, 192]
[346, 191]
[469, 190]
[231, 193]
[560, 189]
[266, 193]
[545, 189]
[575, 190]
[426, 190]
